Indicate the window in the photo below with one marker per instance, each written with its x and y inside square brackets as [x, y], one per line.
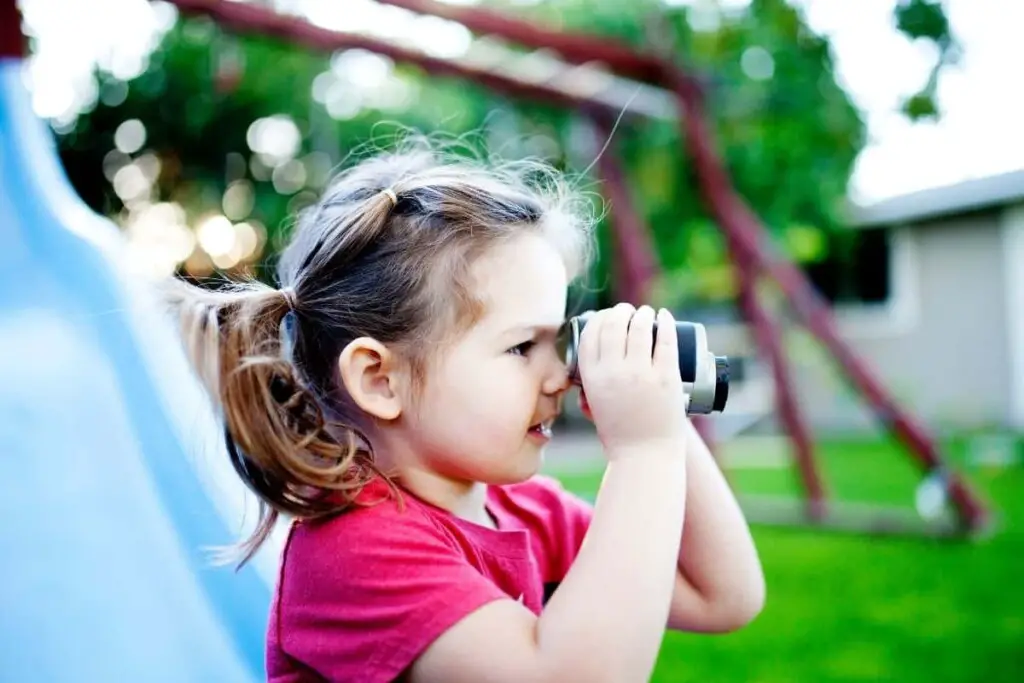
[857, 269]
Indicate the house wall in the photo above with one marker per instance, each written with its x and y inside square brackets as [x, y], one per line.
[1012, 224]
[940, 344]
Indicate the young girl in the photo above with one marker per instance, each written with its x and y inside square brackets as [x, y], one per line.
[394, 397]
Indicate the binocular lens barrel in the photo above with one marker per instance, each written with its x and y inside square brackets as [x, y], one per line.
[705, 376]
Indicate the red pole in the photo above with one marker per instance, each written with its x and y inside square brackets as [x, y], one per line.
[636, 262]
[12, 42]
[576, 48]
[245, 17]
[742, 227]
[769, 341]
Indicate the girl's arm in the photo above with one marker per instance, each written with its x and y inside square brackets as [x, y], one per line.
[720, 586]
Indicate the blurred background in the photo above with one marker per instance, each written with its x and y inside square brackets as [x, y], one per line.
[865, 135]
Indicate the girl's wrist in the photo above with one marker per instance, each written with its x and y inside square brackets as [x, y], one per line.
[652, 451]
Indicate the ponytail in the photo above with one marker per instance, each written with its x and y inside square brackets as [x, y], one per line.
[277, 437]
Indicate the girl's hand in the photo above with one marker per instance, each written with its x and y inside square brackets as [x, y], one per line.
[635, 398]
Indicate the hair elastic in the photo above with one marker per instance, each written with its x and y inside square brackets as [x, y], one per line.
[289, 296]
[391, 195]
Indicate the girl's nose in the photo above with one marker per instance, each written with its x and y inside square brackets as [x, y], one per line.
[558, 381]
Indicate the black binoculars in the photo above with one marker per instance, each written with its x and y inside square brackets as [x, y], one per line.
[705, 376]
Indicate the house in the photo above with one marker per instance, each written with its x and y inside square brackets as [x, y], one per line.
[933, 301]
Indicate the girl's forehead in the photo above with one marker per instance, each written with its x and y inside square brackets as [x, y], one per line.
[522, 281]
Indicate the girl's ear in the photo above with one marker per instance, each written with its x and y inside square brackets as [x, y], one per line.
[373, 377]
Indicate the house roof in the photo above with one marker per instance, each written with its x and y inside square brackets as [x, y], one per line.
[950, 200]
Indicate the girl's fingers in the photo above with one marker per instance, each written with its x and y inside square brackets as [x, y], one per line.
[666, 346]
[641, 336]
[613, 331]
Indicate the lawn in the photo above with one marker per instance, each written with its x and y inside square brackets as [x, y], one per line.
[849, 608]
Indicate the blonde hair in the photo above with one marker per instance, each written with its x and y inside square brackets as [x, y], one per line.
[385, 253]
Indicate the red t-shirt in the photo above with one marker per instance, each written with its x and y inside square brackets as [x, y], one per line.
[361, 595]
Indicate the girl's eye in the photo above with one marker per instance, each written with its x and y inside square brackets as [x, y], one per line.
[522, 349]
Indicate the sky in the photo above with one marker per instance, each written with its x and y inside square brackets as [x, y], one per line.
[979, 134]
[981, 130]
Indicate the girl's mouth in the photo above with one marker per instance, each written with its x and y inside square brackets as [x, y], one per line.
[541, 430]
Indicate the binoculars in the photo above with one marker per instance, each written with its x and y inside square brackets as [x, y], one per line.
[705, 376]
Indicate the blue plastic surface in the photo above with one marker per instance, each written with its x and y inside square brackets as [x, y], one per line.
[106, 511]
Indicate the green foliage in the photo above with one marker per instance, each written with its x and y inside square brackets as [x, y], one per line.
[926, 20]
[788, 133]
[197, 99]
[923, 19]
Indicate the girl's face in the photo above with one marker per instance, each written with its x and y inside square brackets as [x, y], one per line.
[488, 402]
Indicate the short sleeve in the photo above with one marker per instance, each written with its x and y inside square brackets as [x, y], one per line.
[576, 514]
[557, 518]
[362, 596]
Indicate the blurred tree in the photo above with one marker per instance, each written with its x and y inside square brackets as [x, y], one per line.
[248, 128]
[926, 20]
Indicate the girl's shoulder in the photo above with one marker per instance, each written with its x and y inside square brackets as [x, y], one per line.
[381, 514]
[394, 522]
[361, 593]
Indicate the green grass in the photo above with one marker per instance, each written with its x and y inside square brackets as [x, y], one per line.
[859, 608]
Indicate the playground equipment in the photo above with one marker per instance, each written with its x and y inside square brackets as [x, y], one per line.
[112, 491]
[597, 78]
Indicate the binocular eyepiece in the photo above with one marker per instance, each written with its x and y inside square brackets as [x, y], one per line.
[705, 376]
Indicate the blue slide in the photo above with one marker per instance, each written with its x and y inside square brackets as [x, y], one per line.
[113, 485]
